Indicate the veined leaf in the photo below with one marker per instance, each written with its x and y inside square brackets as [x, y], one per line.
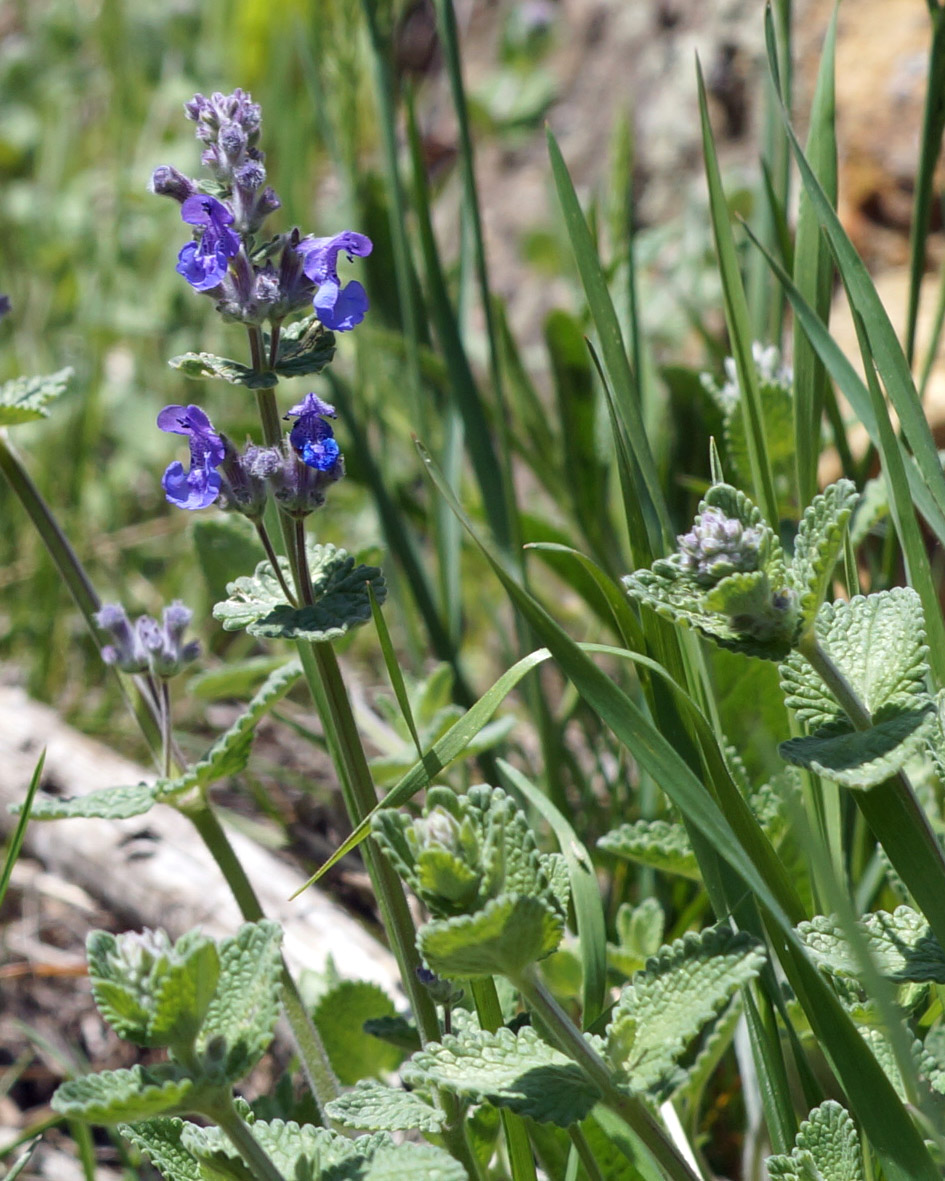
[24, 399]
[340, 1016]
[108, 803]
[503, 938]
[666, 1005]
[657, 843]
[827, 1148]
[341, 602]
[120, 1096]
[514, 1070]
[901, 944]
[818, 543]
[305, 347]
[202, 365]
[378, 1108]
[160, 1138]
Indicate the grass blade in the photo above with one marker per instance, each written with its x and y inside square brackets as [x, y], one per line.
[16, 841]
[738, 321]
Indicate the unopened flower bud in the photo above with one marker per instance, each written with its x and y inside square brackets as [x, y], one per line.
[718, 546]
[127, 650]
[167, 181]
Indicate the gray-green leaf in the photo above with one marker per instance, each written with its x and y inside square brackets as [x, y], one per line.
[123, 1096]
[202, 365]
[339, 590]
[878, 644]
[305, 347]
[160, 1138]
[239, 1023]
[663, 1007]
[108, 803]
[901, 944]
[818, 542]
[505, 936]
[658, 843]
[517, 1071]
[24, 398]
[827, 1148]
[378, 1108]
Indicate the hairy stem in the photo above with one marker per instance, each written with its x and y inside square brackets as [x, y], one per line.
[263, 534]
[254, 1155]
[571, 1041]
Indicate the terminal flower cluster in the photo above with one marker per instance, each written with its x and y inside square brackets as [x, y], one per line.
[253, 285]
[146, 645]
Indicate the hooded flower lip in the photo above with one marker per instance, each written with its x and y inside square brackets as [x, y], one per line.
[204, 264]
[199, 487]
[312, 437]
[338, 308]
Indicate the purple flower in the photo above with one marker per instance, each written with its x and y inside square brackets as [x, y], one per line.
[205, 263]
[4, 306]
[312, 438]
[339, 308]
[127, 651]
[199, 487]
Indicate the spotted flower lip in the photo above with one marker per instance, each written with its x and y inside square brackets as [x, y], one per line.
[338, 308]
[199, 487]
[311, 437]
[204, 264]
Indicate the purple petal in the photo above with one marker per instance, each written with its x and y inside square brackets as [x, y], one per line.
[320, 255]
[203, 210]
[192, 490]
[340, 309]
[202, 271]
[312, 404]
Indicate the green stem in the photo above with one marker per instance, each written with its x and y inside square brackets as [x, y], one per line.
[249, 1148]
[166, 735]
[489, 1012]
[891, 809]
[313, 1056]
[263, 533]
[631, 1110]
[588, 1160]
[145, 705]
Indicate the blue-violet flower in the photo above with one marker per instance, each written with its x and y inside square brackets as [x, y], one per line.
[205, 263]
[339, 308]
[311, 437]
[199, 487]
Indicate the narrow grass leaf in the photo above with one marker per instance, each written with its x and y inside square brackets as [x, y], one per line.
[623, 382]
[813, 273]
[737, 319]
[393, 670]
[16, 841]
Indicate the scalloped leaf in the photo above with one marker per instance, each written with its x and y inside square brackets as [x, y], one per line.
[124, 1096]
[514, 1070]
[305, 347]
[198, 366]
[245, 1006]
[304, 1151]
[505, 936]
[861, 759]
[163, 1006]
[666, 1005]
[377, 1108]
[24, 399]
[902, 946]
[818, 543]
[339, 589]
[340, 1015]
[658, 843]
[778, 420]
[827, 1148]
[878, 644]
[160, 1138]
[108, 803]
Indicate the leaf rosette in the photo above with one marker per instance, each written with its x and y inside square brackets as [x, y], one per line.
[497, 903]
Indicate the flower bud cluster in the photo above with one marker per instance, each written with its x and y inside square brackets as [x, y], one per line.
[768, 366]
[146, 645]
[717, 546]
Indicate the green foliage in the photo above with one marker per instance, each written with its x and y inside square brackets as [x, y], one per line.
[24, 399]
[340, 600]
[506, 935]
[901, 945]
[878, 644]
[340, 1016]
[514, 1070]
[377, 1108]
[118, 1096]
[240, 1019]
[108, 803]
[827, 1147]
[660, 844]
[198, 366]
[817, 545]
[666, 1005]
[305, 348]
